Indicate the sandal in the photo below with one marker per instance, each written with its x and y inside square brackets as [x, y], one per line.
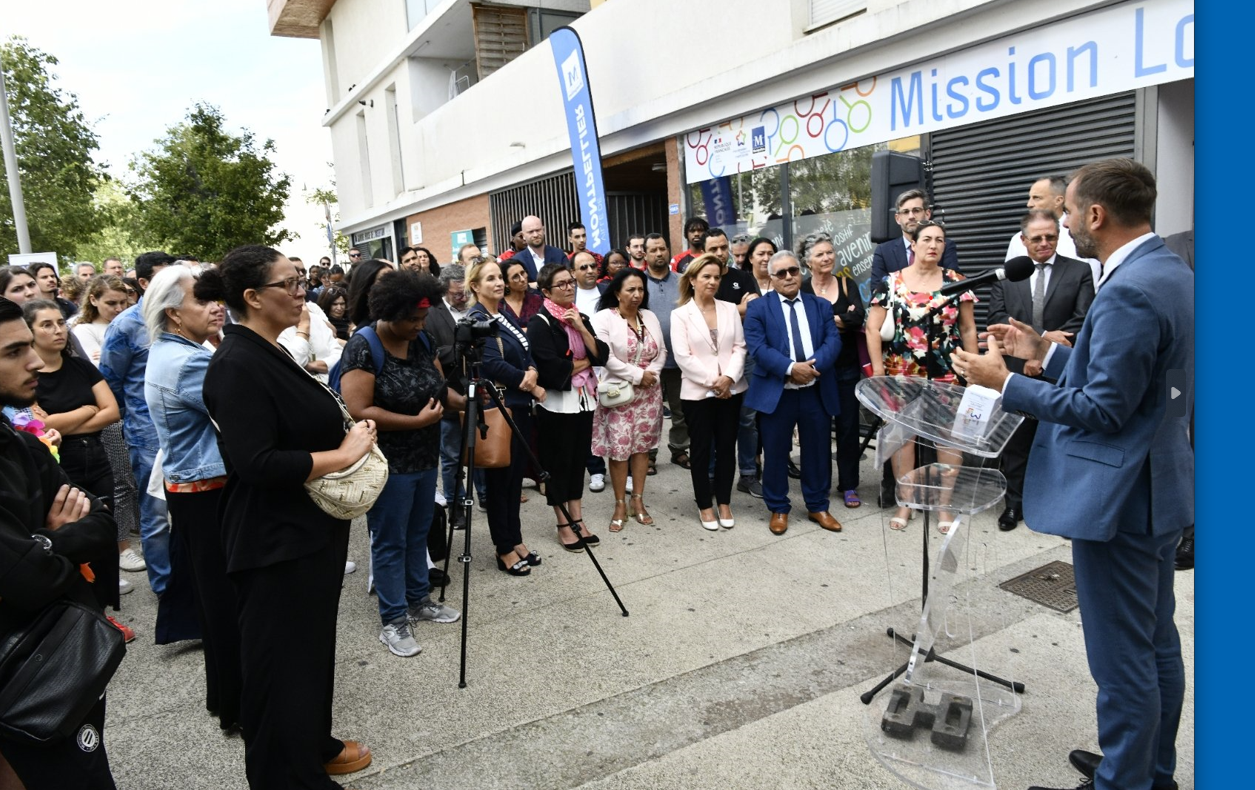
[531, 557]
[851, 499]
[590, 539]
[900, 521]
[575, 547]
[642, 515]
[616, 524]
[353, 757]
[653, 470]
[681, 459]
[519, 568]
[944, 527]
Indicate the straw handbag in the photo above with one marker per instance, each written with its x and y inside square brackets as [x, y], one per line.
[352, 491]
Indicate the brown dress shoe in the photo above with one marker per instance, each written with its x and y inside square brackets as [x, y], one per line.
[779, 523]
[825, 520]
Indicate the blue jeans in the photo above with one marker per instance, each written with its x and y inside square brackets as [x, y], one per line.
[450, 444]
[154, 527]
[399, 522]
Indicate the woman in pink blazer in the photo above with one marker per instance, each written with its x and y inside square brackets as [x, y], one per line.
[625, 434]
[709, 347]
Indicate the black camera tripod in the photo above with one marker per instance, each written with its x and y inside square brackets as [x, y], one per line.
[469, 342]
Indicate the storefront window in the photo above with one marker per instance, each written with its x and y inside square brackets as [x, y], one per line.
[741, 203]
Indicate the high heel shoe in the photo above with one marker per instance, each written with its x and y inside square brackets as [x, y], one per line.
[590, 539]
[616, 524]
[726, 523]
[713, 526]
[575, 547]
[517, 569]
[641, 515]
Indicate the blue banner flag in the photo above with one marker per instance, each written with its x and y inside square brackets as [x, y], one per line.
[717, 194]
[577, 98]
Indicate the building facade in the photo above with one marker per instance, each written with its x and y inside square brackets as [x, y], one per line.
[446, 116]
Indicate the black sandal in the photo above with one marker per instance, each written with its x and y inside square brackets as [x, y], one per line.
[590, 538]
[517, 569]
[575, 547]
[681, 459]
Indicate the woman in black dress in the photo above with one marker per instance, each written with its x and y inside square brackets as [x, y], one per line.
[278, 428]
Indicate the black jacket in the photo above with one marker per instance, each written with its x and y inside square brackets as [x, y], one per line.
[271, 415]
[847, 296]
[31, 576]
[552, 351]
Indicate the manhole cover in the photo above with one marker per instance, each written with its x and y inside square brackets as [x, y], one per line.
[1050, 585]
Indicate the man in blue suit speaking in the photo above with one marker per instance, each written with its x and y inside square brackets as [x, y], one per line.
[1111, 466]
[794, 343]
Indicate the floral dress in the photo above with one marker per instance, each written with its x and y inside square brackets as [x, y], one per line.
[908, 354]
[623, 431]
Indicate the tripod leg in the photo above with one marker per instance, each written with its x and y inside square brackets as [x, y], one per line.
[468, 452]
[496, 398]
[1015, 686]
[867, 696]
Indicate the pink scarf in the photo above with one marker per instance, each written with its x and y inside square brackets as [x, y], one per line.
[575, 342]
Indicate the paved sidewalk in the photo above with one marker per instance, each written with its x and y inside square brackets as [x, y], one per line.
[740, 666]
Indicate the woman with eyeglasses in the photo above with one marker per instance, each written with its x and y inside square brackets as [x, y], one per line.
[565, 350]
[508, 363]
[614, 261]
[817, 252]
[335, 303]
[927, 328]
[279, 428]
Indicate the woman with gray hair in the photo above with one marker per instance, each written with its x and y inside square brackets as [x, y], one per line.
[194, 476]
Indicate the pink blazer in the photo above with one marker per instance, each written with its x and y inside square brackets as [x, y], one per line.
[608, 326]
[700, 363]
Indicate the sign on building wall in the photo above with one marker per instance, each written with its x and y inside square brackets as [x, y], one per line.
[577, 100]
[1134, 45]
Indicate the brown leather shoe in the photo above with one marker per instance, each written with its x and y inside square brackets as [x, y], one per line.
[779, 523]
[825, 520]
[352, 758]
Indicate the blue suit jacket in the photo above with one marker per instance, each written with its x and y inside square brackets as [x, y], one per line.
[552, 255]
[767, 340]
[1108, 456]
[890, 256]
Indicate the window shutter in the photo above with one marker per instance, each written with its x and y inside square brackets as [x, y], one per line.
[500, 35]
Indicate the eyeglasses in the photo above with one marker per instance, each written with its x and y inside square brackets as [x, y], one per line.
[563, 284]
[1040, 239]
[783, 274]
[355, 255]
[586, 267]
[292, 285]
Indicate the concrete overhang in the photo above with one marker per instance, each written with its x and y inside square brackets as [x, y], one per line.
[297, 18]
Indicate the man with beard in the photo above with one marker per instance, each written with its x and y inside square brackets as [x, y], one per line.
[577, 236]
[537, 253]
[664, 291]
[694, 229]
[1111, 468]
[636, 251]
[896, 254]
[48, 529]
[517, 243]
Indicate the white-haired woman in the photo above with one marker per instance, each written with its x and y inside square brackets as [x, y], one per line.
[193, 473]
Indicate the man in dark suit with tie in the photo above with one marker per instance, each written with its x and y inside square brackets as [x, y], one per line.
[1111, 466]
[795, 344]
[1054, 302]
[537, 253]
[895, 254]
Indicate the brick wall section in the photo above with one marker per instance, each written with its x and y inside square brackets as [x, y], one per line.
[440, 223]
[675, 225]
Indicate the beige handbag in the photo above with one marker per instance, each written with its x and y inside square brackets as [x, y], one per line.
[352, 491]
[886, 326]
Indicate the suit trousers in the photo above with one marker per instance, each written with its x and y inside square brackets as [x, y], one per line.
[1127, 604]
[713, 420]
[196, 526]
[287, 622]
[1015, 462]
[803, 409]
[678, 436]
[845, 426]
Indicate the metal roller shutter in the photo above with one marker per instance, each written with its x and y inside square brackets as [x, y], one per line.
[552, 198]
[981, 173]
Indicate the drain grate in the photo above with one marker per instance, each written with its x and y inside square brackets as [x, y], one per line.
[1050, 585]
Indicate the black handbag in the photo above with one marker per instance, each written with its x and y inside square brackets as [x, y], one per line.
[54, 669]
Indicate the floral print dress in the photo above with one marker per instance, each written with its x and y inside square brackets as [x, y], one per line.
[909, 354]
[621, 432]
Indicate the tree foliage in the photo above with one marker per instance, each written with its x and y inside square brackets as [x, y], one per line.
[55, 145]
[204, 190]
[121, 236]
[326, 196]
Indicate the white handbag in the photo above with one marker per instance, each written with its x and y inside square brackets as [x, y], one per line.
[613, 393]
[887, 328]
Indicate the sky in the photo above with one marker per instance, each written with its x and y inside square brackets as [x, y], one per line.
[137, 66]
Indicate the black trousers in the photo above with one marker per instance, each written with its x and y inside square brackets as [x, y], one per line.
[565, 443]
[845, 426]
[505, 486]
[287, 618]
[1015, 462]
[86, 463]
[195, 525]
[76, 763]
[716, 420]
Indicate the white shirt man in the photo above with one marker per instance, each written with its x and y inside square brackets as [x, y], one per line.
[1047, 194]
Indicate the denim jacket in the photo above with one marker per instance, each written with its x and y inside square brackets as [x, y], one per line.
[173, 387]
[123, 356]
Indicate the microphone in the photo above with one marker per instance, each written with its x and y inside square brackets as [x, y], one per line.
[1015, 270]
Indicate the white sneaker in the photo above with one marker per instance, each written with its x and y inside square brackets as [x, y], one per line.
[124, 587]
[597, 483]
[629, 484]
[397, 638]
[440, 500]
[349, 567]
[131, 560]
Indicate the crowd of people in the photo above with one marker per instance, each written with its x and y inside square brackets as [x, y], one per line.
[208, 395]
